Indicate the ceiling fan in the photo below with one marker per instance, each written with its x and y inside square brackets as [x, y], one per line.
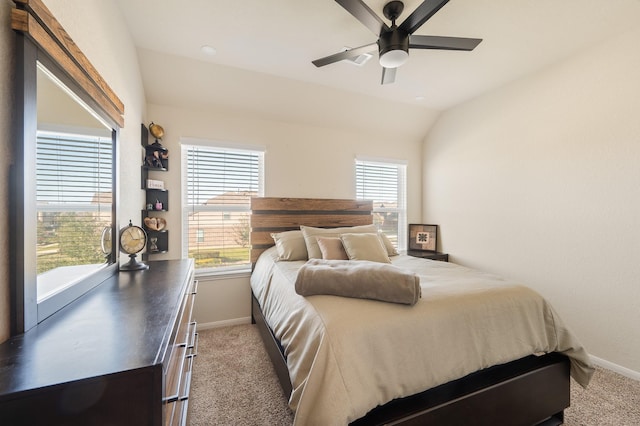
[394, 42]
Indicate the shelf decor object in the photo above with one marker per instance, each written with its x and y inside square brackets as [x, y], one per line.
[156, 156]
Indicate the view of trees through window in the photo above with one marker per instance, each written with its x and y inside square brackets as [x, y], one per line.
[66, 239]
[385, 184]
[218, 186]
[219, 242]
[73, 199]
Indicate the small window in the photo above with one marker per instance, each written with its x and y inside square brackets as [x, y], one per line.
[218, 184]
[384, 182]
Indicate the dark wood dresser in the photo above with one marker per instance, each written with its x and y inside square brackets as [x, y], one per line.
[120, 355]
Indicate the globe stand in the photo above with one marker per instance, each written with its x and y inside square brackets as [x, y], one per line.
[133, 264]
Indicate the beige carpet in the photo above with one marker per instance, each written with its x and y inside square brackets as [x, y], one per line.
[234, 384]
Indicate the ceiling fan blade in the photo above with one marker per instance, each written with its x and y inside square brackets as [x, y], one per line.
[426, 10]
[347, 54]
[388, 75]
[443, 43]
[365, 15]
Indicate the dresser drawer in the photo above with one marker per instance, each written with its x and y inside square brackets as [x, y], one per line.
[180, 362]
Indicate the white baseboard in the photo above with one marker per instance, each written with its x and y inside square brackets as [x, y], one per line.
[225, 323]
[627, 372]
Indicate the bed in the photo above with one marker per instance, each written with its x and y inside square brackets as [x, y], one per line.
[360, 361]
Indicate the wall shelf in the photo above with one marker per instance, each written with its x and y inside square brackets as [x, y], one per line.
[156, 159]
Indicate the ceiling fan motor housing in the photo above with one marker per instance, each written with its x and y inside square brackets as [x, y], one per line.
[395, 39]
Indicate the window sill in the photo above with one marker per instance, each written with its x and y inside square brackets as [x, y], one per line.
[224, 273]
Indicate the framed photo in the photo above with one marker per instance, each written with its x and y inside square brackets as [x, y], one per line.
[423, 237]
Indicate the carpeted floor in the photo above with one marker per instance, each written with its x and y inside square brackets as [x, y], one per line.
[234, 384]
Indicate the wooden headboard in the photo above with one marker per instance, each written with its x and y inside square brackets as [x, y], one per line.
[270, 214]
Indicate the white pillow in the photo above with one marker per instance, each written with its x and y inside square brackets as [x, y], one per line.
[310, 233]
[290, 245]
[365, 247]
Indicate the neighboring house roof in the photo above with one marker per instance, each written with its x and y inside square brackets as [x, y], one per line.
[232, 197]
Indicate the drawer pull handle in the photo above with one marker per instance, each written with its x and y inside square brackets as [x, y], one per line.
[194, 348]
[187, 381]
[183, 417]
[180, 367]
[192, 334]
[195, 287]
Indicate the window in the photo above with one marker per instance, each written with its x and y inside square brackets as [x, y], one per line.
[218, 184]
[384, 182]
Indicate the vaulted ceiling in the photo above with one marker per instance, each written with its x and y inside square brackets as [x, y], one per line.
[264, 48]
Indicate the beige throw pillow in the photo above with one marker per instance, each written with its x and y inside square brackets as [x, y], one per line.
[365, 247]
[332, 248]
[290, 245]
[391, 249]
[310, 236]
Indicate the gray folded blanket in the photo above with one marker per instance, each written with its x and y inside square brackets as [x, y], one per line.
[360, 279]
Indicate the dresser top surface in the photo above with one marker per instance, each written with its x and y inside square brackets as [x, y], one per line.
[122, 324]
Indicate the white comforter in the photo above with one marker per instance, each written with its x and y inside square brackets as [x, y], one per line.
[346, 356]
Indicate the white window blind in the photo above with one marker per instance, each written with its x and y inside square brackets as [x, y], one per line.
[384, 182]
[73, 197]
[218, 185]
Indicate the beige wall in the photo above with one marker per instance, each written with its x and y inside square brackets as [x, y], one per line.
[99, 31]
[222, 301]
[539, 182]
[300, 160]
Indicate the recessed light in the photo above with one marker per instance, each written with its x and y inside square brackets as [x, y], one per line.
[208, 50]
[419, 98]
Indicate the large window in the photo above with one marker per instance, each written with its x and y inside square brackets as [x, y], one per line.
[384, 182]
[218, 184]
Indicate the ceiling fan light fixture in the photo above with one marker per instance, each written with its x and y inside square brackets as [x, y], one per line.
[393, 48]
[394, 58]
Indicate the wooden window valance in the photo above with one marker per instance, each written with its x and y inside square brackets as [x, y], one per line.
[33, 19]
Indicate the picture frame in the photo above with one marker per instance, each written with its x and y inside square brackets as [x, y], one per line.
[423, 237]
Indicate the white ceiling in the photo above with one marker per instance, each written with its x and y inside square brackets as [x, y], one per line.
[280, 38]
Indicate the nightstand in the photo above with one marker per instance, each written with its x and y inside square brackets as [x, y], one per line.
[433, 255]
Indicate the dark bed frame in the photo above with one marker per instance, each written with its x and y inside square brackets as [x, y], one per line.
[532, 390]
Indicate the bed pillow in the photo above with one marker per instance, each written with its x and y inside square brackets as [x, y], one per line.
[310, 236]
[332, 248]
[290, 245]
[391, 249]
[365, 247]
